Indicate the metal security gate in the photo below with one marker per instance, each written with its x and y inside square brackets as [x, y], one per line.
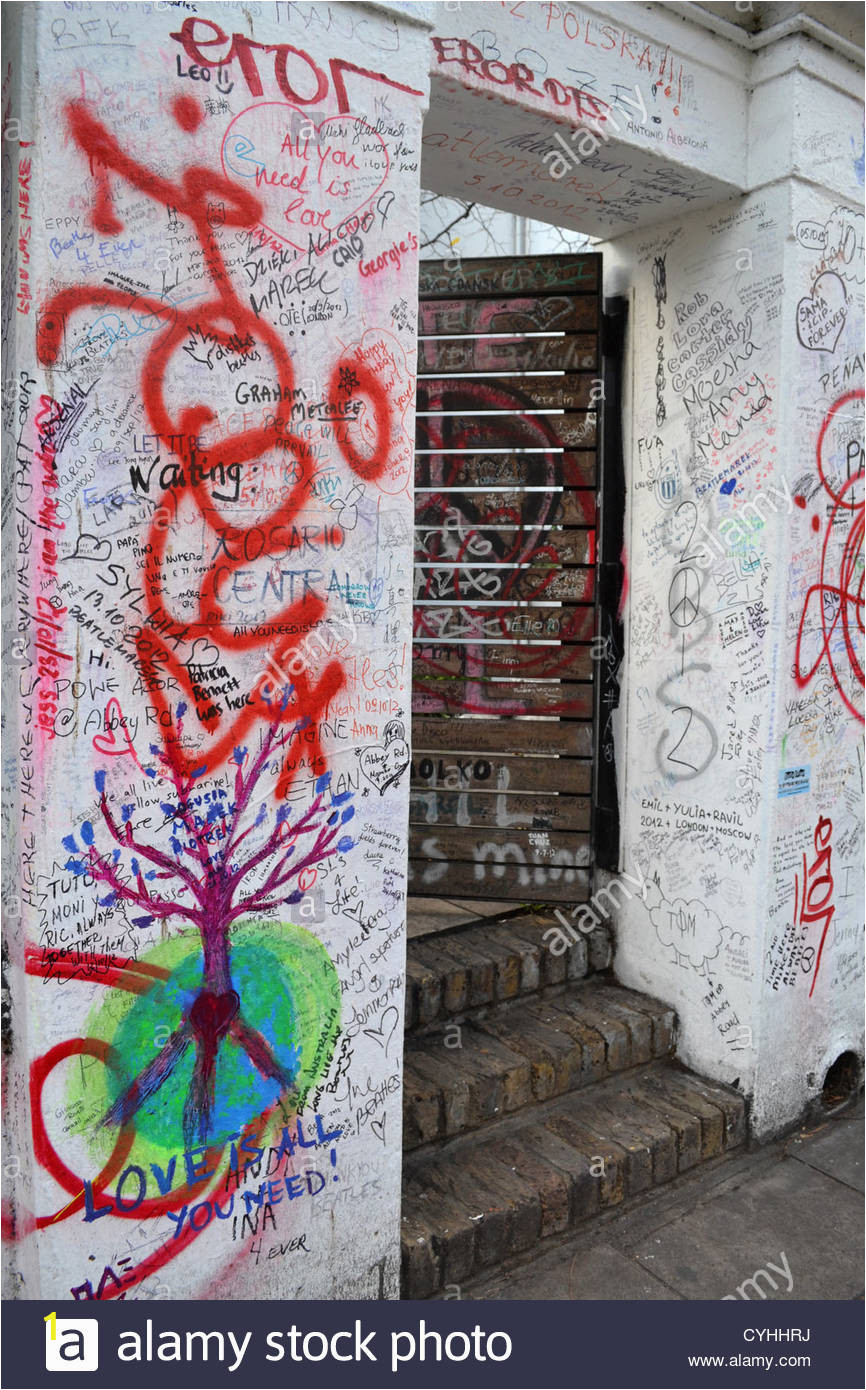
[504, 613]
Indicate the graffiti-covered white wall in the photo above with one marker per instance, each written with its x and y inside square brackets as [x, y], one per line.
[213, 219]
[210, 243]
[737, 158]
[597, 117]
[739, 744]
[812, 975]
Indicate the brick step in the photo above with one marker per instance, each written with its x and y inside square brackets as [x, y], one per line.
[497, 1060]
[492, 962]
[494, 1196]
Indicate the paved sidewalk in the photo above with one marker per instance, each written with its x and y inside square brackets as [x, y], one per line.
[788, 1216]
[427, 916]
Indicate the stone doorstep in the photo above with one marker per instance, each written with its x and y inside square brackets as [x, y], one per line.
[552, 969]
[664, 1092]
[637, 1023]
[662, 1017]
[703, 1093]
[556, 1062]
[489, 1198]
[446, 983]
[476, 969]
[554, 1014]
[505, 961]
[461, 1076]
[449, 1091]
[686, 1127]
[481, 965]
[423, 991]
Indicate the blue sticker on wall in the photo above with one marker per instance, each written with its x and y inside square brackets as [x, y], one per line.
[793, 780]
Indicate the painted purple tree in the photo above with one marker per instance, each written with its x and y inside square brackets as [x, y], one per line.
[213, 882]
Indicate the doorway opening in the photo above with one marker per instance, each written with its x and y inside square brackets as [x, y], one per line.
[510, 652]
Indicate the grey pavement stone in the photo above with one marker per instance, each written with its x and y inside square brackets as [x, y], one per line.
[594, 1272]
[426, 915]
[791, 1214]
[477, 908]
[836, 1149]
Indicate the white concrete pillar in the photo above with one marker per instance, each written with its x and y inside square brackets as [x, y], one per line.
[209, 400]
[740, 750]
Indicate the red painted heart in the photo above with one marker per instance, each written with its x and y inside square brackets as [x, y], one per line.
[310, 179]
[211, 1014]
[115, 741]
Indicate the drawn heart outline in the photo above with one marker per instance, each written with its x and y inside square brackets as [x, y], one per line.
[239, 149]
[203, 653]
[383, 1035]
[100, 549]
[108, 742]
[382, 764]
[828, 293]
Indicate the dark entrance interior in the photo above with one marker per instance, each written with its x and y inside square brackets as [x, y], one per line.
[505, 617]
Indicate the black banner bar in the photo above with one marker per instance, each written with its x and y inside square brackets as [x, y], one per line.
[452, 1343]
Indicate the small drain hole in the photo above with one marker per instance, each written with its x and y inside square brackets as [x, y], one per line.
[842, 1081]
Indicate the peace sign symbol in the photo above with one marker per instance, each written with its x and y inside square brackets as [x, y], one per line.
[684, 597]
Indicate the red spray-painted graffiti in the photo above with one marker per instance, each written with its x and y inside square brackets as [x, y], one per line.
[833, 607]
[351, 376]
[309, 182]
[71, 1183]
[813, 897]
[49, 609]
[243, 48]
